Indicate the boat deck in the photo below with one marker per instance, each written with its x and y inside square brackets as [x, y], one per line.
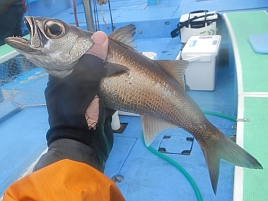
[142, 173]
[252, 93]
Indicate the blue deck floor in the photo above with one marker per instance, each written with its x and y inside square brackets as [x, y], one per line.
[146, 176]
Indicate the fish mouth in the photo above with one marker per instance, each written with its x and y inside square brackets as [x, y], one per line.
[17, 42]
[24, 44]
[38, 39]
[29, 22]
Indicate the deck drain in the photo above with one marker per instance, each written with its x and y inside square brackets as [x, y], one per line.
[167, 23]
[117, 178]
[181, 145]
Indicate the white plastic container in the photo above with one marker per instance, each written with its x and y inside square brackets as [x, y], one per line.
[201, 52]
[206, 25]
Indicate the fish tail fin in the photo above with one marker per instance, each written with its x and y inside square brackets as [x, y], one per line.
[226, 149]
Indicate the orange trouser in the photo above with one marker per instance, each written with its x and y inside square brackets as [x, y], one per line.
[64, 180]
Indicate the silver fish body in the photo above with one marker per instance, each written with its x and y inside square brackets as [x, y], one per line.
[134, 83]
[148, 90]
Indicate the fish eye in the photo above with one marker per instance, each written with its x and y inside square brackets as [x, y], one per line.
[54, 30]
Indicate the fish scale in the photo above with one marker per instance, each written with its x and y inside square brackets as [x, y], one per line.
[134, 83]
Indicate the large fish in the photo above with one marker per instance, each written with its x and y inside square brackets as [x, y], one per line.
[134, 83]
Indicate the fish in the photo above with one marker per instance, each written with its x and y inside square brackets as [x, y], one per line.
[134, 83]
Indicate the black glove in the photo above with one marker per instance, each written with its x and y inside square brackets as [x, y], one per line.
[67, 100]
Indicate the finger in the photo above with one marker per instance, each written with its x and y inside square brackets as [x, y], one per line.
[92, 113]
[100, 47]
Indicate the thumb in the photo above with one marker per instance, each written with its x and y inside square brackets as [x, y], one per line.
[100, 47]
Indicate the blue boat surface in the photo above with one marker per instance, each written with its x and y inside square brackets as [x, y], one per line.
[173, 167]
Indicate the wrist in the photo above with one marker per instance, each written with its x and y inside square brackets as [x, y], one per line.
[81, 135]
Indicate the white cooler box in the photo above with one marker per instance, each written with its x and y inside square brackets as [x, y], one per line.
[198, 23]
[201, 52]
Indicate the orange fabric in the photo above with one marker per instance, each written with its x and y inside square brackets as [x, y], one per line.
[64, 180]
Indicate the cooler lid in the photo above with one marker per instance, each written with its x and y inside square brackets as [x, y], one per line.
[198, 45]
[185, 17]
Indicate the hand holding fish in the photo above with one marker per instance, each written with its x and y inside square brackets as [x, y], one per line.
[77, 149]
[75, 111]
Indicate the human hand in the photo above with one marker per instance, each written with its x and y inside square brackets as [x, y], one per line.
[68, 98]
[69, 102]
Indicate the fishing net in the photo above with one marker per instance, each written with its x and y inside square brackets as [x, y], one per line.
[21, 83]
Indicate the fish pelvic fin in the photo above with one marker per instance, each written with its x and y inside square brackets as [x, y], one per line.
[152, 126]
[175, 68]
[226, 149]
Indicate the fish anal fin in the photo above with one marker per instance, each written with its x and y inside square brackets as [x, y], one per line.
[124, 35]
[152, 126]
[115, 69]
[175, 68]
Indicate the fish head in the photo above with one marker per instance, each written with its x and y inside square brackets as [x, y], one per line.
[53, 45]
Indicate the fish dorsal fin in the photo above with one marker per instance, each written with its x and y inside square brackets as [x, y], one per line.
[115, 69]
[175, 68]
[124, 35]
[152, 126]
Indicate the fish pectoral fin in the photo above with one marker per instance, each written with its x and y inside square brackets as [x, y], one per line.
[124, 35]
[152, 126]
[175, 68]
[115, 69]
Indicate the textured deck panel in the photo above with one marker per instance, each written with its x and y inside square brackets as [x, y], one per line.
[255, 141]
